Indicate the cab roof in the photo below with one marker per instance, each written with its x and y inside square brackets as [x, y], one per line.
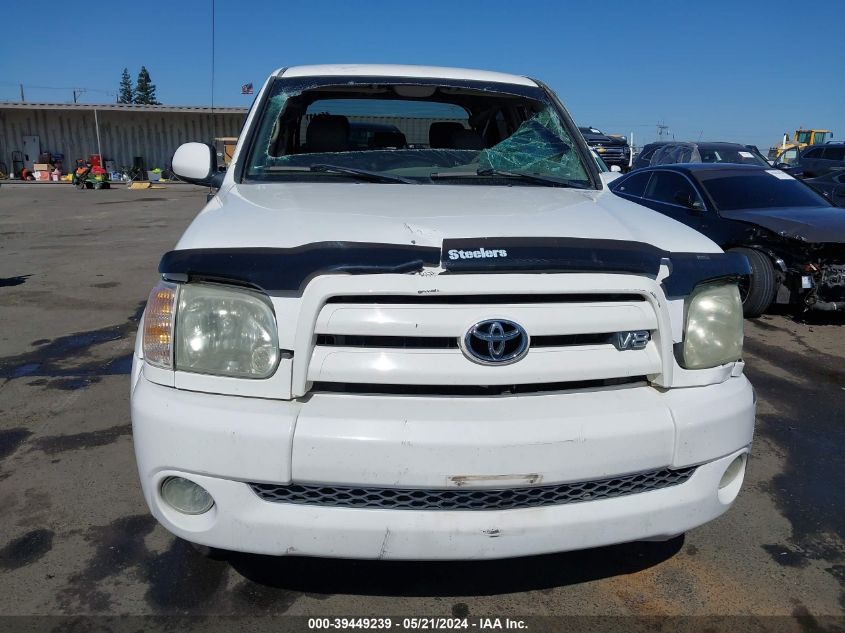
[399, 70]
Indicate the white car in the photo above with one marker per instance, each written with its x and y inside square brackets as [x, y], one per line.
[454, 343]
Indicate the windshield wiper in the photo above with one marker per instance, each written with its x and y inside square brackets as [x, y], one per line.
[542, 180]
[500, 173]
[352, 172]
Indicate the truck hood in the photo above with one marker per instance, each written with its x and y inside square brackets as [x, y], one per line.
[284, 215]
[808, 224]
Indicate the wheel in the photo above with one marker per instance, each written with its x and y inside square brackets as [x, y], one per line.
[758, 291]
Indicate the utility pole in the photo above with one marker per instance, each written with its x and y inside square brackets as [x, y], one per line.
[77, 92]
[99, 147]
[23, 98]
[661, 130]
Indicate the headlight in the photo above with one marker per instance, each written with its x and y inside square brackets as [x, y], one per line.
[713, 331]
[217, 330]
[225, 332]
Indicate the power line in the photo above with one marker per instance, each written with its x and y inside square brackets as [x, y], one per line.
[25, 85]
[75, 91]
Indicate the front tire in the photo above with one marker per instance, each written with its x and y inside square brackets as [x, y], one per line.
[758, 291]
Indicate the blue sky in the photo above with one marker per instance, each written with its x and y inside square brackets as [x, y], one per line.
[720, 70]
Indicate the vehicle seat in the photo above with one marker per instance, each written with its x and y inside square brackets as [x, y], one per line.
[440, 133]
[327, 133]
[384, 140]
[466, 139]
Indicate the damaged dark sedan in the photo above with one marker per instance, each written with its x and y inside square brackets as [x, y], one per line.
[793, 237]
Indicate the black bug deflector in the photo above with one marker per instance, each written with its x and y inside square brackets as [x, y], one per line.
[550, 254]
[276, 270]
[566, 254]
[687, 270]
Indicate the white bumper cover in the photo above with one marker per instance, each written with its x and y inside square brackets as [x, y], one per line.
[222, 442]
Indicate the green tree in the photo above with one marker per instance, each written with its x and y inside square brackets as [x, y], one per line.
[126, 94]
[145, 90]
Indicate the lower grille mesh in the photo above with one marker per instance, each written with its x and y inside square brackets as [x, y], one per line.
[462, 499]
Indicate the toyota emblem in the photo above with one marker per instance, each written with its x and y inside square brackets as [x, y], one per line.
[495, 342]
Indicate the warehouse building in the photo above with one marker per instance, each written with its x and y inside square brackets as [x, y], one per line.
[126, 131]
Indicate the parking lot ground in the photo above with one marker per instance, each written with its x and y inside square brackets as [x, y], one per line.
[76, 537]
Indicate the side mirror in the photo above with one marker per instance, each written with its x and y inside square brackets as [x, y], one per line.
[683, 198]
[686, 199]
[197, 163]
[616, 168]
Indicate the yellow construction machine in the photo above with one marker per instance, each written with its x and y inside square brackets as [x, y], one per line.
[801, 139]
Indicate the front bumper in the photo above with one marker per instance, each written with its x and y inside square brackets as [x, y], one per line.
[223, 442]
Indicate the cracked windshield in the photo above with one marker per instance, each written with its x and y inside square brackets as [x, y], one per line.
[414, 134]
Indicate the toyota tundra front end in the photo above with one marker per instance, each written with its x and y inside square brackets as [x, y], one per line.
[452, 344]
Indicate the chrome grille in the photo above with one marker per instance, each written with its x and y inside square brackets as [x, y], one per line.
[445, 342]
[474, 499]
[414, 339]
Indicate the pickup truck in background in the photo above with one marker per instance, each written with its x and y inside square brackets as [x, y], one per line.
[613, 148]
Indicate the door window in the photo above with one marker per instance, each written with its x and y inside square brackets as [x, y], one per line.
[834, 153]
[634, 185]
[671, 188]
[788, 156]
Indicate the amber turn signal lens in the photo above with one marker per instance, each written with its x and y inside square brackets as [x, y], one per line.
[158, 325]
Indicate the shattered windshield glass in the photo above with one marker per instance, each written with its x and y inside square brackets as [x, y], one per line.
[537, 147]
[413, 131]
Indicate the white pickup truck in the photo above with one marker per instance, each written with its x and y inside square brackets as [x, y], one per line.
[446, 340]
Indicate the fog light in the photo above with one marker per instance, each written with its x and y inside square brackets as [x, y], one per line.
[734, 470]
[186, 496]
